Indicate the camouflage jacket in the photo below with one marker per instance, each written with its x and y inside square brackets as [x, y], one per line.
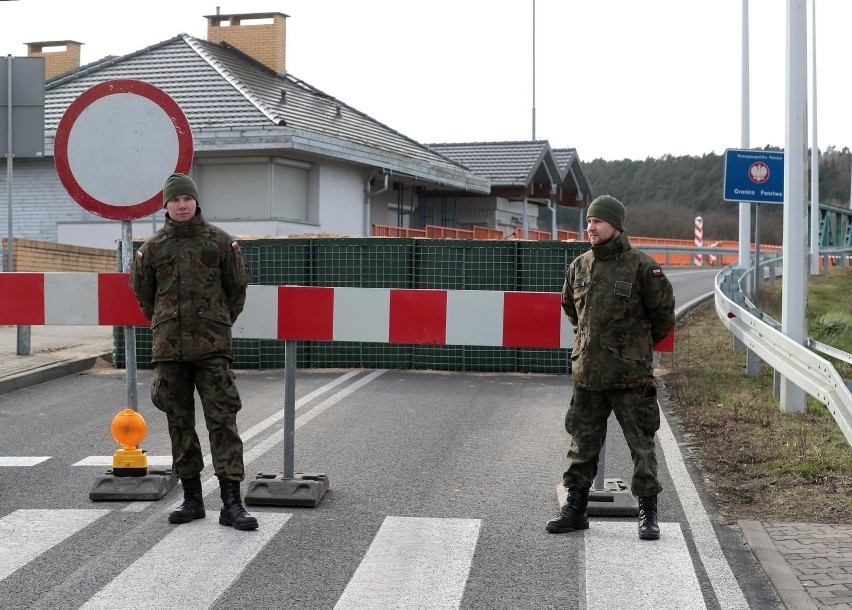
[620, 304]
[190, 280]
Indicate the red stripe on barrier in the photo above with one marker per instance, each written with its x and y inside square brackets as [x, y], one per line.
[26, 305]
[418, 316]
[531, 319]
[666, 344]
[306, 313]
[117, 305]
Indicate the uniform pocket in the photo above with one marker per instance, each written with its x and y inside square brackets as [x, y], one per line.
[209, 256]
[157, 392]
[571, 417]
[647, 413]
[215, 315]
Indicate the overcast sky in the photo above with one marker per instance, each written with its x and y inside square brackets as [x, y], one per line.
[614, 79]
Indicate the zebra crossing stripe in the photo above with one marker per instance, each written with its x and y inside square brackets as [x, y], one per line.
[106, 460]
[210, 556]
[623, 572]
[414, 563]
[722, 578]
[22, 460]
[27, 533]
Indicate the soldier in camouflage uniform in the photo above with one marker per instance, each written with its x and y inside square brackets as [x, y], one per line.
[620, 304]
[190, 279]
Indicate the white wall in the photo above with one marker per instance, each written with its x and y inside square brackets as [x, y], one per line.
[42, 209]
[341, 196]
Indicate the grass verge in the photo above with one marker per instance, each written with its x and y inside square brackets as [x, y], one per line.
[758, 462]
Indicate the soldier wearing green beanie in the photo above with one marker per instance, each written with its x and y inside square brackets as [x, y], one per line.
[179, 184]
[620, 304]
[609, 209]
[190, 279]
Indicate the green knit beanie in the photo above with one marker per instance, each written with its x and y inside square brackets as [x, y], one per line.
[609, 209]
[179, 184]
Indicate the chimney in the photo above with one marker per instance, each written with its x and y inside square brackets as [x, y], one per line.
[261, 35]
[60, 56]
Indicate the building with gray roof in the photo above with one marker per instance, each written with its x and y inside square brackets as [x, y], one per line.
[274, 155]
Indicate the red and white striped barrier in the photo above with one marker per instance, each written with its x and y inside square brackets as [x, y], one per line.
[308, 313]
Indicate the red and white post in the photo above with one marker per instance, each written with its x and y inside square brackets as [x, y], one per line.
[699, 238]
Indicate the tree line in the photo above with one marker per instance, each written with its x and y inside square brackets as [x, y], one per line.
[663, 196]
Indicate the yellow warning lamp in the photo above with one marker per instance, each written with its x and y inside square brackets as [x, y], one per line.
[128, 429]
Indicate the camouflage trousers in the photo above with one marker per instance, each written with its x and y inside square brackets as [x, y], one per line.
[586, 421]
[173, 393]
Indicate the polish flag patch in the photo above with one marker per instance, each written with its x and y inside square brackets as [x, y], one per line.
[657, 272]
[139, 254]
[235, 245]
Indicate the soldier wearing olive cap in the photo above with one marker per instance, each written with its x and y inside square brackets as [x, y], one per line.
[620, 304]
[190, 279]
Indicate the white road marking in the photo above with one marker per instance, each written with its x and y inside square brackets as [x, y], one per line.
[166, 460]
[212, 483]
[27, 533]
[623, 572]
[22, 460]
[106, 460]
[414, 563]
[279, 415]
[189, 568]
[721, 577]
[333, 400]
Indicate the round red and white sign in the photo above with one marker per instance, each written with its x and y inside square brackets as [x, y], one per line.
[117, 143]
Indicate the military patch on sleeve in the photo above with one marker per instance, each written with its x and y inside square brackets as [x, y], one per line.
[139, 254]
[657, 272]
[235, 246]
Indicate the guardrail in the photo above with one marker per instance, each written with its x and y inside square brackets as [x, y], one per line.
[761, 335]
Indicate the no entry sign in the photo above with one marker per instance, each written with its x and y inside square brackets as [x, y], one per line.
[117, 143]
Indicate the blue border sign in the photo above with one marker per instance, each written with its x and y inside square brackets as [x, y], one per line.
[754, 175]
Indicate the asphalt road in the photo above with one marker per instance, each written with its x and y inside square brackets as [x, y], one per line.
[440, 487]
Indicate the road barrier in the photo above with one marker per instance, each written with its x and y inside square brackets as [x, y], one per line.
[310, 313]
[761, 335]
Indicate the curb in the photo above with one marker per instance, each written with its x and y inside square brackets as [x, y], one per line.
[50, 372]
[785, 582]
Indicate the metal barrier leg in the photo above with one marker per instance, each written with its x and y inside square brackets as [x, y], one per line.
[289, 488]
[753, 362]
[776, 384]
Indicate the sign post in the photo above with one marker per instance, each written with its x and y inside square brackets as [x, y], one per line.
[23, 79]
[115, 146]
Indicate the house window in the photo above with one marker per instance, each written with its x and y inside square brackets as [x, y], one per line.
[254, 188]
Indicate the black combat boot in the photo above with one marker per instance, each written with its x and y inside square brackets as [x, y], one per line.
[233, 513]
[193, 502]
[649, 529]
[572, 516]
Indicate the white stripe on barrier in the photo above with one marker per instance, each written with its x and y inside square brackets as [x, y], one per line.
[361, 314]
[259, 319]
[566, 333]
[71, 298]
[483, 306]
